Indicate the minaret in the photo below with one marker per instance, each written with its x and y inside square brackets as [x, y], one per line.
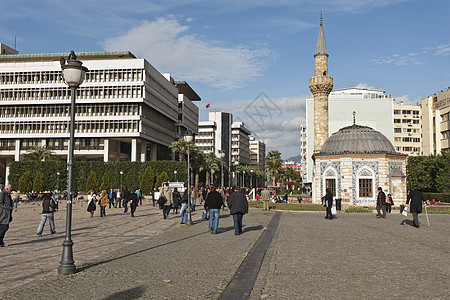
[320, 85]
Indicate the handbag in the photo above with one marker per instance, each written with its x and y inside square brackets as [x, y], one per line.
[333, 210]
[405, 211]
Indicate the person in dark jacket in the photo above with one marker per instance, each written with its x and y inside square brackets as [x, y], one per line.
[176, 200]
[381, 203]
[237, 202]
[6, 208]
[134, 199]
[214, 202]
[112, 198]
[125, 199]
[415, 199]
[329, 203]
[48, 208]
[184, 205]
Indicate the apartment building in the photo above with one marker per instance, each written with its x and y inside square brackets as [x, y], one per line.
[125, 109]
[407, 129]
[435, 116]
[240, 143]
[303, 151]
[257, 154]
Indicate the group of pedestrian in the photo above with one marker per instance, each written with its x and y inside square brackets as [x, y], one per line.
[114, 198]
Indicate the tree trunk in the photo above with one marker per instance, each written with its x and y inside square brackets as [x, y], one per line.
[197, 178]
[208, 178]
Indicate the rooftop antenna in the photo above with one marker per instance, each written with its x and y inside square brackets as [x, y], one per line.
[354, 117]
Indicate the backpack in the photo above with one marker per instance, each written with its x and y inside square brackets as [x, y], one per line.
[162, 200]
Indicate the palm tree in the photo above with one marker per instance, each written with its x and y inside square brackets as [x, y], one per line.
[38, 153]
[273, 163]
[180, 147]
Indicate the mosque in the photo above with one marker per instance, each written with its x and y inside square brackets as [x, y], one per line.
[354, 161]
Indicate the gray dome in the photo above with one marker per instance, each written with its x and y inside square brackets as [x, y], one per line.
[357, 139]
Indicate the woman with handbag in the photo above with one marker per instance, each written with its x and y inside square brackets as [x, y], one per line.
[103, 202]
[91, 203]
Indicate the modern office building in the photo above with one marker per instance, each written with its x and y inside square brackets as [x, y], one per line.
[435, 116]
[407, 128]
[257, 154]
[214, 135]
[240, 143]
[125, 109]
[368, 107]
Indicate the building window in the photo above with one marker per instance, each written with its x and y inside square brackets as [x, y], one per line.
[365, 187]
[331, 184]
[397, 130]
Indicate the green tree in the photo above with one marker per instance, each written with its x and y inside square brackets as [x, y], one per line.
[211, 165]
[162, 177]
[147, 181]
[92, 182]
[106, 184]
[421, 173]
[38, 153]
[443, 173]
[38, 185]
[179, 147]
[273, 164]
[26, 183]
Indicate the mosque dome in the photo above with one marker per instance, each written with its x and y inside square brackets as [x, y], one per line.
[357, 139]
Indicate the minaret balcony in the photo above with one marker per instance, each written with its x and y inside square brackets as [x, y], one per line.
[321, 84]
[320, 80]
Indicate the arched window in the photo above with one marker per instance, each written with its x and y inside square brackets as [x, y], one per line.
[330, 181]
[365, 183]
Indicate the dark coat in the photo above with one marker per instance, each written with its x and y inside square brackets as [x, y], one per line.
[214, 200]
[329, 200]
[176, 198]
[237, 202]
[381, 198]
[415, 199]
[48, 205]
[5, 207]
[185, 197]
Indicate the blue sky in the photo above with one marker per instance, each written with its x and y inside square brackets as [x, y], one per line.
[241, 55]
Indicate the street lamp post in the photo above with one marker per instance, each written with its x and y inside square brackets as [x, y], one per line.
[235, 170]
[121, 173]
[251, 179]
[189, 138]
[175, 173]
[243, 178]
[57, 182]
[73, 74]
[222, 155]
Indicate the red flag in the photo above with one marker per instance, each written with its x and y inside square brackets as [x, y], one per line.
[208, 105]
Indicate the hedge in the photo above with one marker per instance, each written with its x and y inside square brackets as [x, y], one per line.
[131, 178]
[442, 197]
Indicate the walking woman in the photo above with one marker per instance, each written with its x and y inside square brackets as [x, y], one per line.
[176, 200]
[91, 203]
[103, 202]
[389, 203]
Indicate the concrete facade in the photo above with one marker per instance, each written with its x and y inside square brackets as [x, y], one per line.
[435, 117]
[407, 129]
[257, 154]
[240, 143]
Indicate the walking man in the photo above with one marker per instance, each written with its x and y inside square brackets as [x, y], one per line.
[167, 193]
[111, 198]
[265, 196]
[381, 203]
[238, 205]
[15, 199]
[214, 202]
[5, 212]
[48, 208]
[415, 199]
[118, 198]
[125, 199]
[134, 198]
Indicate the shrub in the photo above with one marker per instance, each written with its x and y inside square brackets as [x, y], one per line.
[26, 183]
[357, 210]
[92, 182]
[106, 185]
[147, 181]
[442, 197]
[162, 177]
[38, 185]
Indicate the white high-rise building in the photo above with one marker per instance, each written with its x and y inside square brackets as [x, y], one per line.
[257, 154]
[240, 146]
[370, 107]
[125, 109]
[407, 128]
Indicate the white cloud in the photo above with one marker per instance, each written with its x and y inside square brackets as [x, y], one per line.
[169, 46]
[443, 49]
[399, 60]
[363, 85]
[274, 121]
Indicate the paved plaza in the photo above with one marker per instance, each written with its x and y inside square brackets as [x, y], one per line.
[355, 256]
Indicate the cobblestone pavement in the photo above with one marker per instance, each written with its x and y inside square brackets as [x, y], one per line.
[355, 256]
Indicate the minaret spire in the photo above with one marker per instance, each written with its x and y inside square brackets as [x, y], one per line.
[321, 48]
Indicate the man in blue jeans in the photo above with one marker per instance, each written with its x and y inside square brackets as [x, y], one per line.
[213, 203]
[184, 205]
[237, 202]
[48, 207]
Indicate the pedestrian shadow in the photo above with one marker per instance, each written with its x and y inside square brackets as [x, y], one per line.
[134, 293]
[252, 228]
[82, 268]
[408, 222]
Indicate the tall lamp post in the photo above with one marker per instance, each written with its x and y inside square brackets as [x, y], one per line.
[243, 178]
[235, 170]
[175, 173]
[73, 74]
[189, 138]
[251, 179]
[121, 173]
[57, 182]
[222, 155]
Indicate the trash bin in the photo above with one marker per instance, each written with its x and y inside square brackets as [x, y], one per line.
[338, 203]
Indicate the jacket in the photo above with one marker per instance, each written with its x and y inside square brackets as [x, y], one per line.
[265, 195]
[176, 198]
[167, 192]
[329, 200]
[237, 203]
[214, 200]
[381, 198]
[103, 200]
[415, 199]
[48, 206]
[5, 207]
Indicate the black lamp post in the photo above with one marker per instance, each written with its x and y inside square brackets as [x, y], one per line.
[189, 138]
[73, 74]
[175, 173]
[57, 182]
[251, 179]
[121, 173]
